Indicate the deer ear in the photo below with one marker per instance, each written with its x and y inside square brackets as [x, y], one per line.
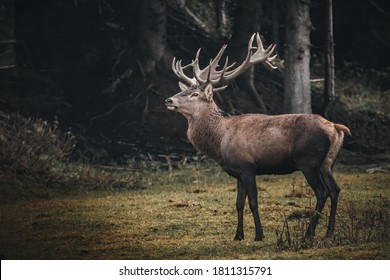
[182, 86]
[209, 92]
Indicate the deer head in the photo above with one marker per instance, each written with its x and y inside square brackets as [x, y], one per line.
[198, 90]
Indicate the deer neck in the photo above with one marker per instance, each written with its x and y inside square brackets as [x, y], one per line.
[205, 131]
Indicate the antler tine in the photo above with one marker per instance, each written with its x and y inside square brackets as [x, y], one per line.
[230, 66]
[219, 88]
[260, 45]
[245, 64]
[269, 59]
[272, 57]
[260, 55]
[178, 70]
[263, 54]
[270, 65]
[196, 69]
[218, 75]
[216, 60]
[210, 70]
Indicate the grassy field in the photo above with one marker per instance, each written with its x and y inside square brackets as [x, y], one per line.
[190, 214]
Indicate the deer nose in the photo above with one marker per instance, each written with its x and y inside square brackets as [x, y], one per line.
[168, 101]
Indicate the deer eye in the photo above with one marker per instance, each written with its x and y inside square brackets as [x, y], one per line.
[194, 94]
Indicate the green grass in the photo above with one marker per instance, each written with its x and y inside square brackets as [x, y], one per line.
[189, 214]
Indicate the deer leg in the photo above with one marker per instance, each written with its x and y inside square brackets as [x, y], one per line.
[334, 191]
[315, 181]
[241, 197]
[249, 181]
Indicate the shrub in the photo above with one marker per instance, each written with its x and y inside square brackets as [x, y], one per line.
[32, 147]
[358, 222]
[365, 221]
[292, 237]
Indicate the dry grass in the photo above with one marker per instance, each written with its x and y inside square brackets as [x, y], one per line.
[188, 215]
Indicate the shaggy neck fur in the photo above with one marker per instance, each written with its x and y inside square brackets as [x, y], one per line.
[204, 131]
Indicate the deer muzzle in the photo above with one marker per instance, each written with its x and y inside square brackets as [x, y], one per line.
[169, 104]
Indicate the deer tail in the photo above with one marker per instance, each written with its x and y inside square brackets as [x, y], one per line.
[335, 145]
[343, 128]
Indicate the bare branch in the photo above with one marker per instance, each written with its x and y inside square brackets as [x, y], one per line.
[182, 5]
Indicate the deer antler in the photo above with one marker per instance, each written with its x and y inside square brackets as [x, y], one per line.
[260, 55]
[210, 74]
[178, 70]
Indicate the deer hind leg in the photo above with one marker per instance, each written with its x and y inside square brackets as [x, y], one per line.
[334, 191]
[328, 179]
[315, 181]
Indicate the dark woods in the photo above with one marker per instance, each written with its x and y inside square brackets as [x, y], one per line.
[101, 68]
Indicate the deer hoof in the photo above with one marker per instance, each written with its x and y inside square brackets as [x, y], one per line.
[238, 238]
[259, 237]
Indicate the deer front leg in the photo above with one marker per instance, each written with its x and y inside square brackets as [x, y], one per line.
[248, 181]
[241, 197]
[253, 204]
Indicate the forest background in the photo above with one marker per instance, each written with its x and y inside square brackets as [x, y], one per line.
[101, 69]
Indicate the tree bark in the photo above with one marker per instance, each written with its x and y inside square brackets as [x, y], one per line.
[152, 43]
[297, 97]
[329, 92]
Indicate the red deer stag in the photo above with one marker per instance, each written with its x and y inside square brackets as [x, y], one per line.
[254, 144]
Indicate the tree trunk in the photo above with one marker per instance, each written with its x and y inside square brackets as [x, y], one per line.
[329, 92]
[245, 24]
[7, 36]
[297, 97]
[152, 44]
